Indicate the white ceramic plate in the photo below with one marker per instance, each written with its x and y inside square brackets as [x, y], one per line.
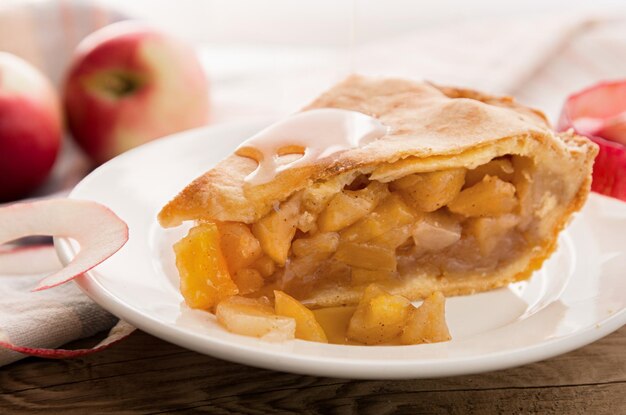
[578, 297]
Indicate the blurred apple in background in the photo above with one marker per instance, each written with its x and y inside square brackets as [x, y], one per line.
[30, 127]
[130, 83]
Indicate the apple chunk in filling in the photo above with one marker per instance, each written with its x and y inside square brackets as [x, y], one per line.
[428, 192]
[255, 318]
[436, 231]
[489, 197]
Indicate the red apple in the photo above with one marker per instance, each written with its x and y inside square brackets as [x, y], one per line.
[30, 127]
[130, 83]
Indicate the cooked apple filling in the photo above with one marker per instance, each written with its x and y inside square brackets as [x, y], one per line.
[354, 231]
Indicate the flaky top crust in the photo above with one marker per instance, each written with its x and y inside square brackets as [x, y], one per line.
[431, 127]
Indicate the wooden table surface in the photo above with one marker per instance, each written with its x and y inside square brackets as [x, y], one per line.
[146, 375]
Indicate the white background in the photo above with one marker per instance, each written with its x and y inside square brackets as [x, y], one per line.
[328, 22]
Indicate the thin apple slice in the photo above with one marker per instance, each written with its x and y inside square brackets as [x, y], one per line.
[118, 333]
[99, 232]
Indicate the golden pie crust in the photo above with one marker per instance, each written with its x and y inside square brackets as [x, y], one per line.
[432, 128]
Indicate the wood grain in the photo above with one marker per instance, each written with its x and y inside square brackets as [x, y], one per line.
[147, 375]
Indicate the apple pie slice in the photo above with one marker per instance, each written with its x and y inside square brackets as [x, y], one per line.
[411, 186]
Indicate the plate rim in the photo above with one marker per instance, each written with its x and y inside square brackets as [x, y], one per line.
[310, 365]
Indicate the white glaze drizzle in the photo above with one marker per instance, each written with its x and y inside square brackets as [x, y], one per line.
[314, 134]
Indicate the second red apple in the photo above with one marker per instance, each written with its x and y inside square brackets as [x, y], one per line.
[129, 84]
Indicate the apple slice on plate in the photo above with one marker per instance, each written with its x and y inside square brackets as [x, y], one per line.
[599, 113]
[96, 228]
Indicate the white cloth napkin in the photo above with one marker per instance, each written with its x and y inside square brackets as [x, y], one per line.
[47, 318]
[539, 60]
